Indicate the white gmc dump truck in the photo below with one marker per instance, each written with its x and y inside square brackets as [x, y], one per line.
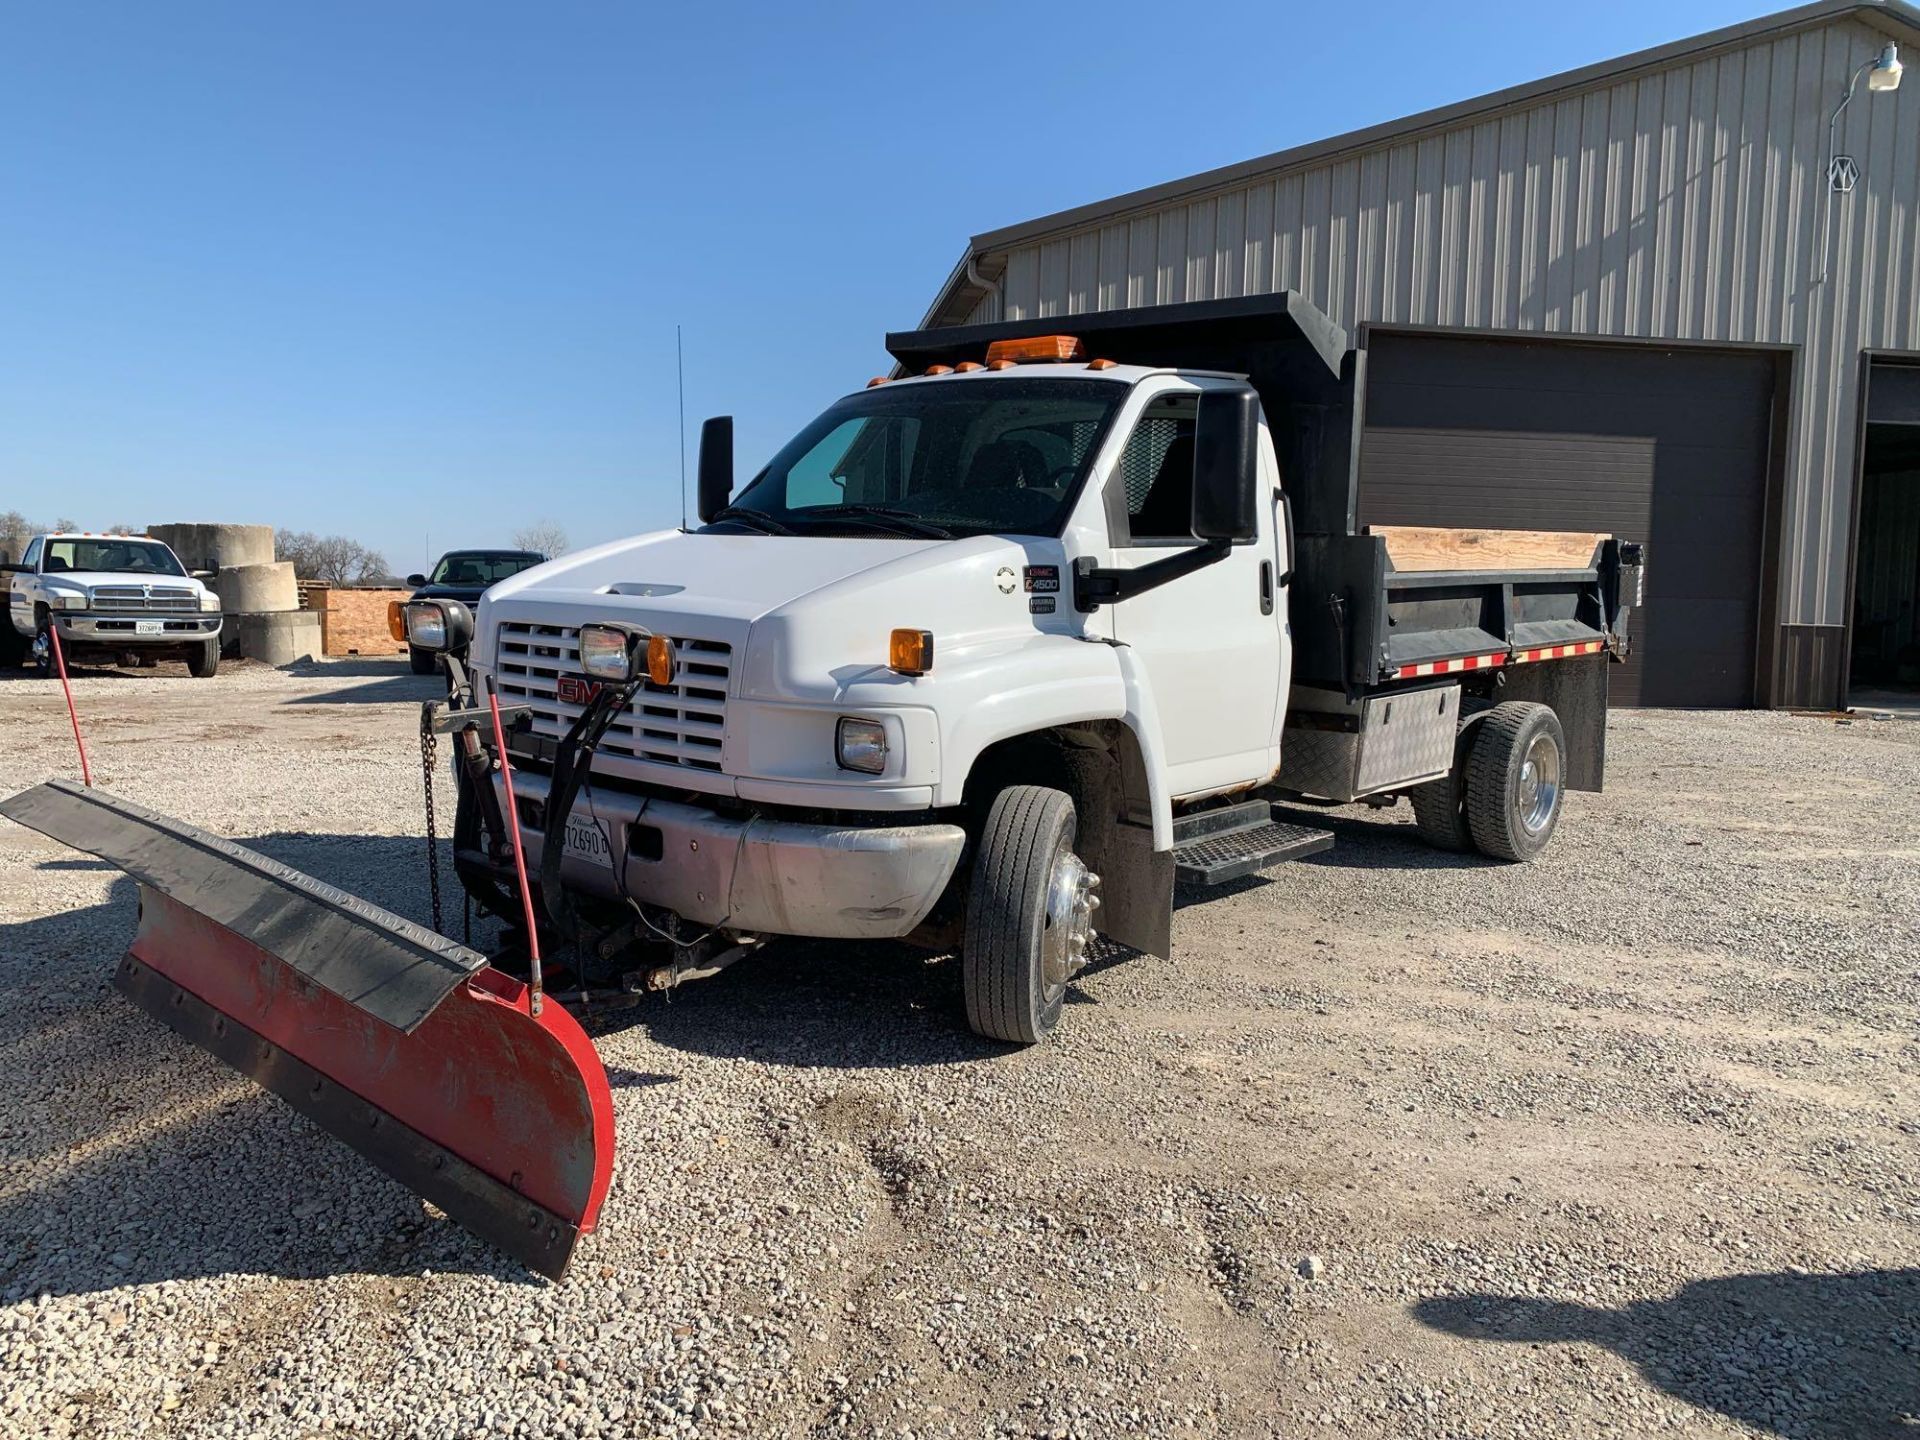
[118, 597]
[998, 648]
[986, 658]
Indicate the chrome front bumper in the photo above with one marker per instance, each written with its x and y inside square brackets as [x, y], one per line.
[775, 877]
[176, 628]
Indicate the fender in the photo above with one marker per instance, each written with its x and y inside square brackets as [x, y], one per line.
[1143, 718]
[1042, 686]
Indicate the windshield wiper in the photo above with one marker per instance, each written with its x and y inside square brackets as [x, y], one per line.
[752, 519]
[903, 519]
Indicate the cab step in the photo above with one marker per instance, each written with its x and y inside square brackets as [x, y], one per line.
[1216, 846]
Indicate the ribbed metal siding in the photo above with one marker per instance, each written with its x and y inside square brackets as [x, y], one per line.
[1679, 204]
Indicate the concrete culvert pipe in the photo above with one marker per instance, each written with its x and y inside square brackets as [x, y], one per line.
[215, 547]
[255, 589]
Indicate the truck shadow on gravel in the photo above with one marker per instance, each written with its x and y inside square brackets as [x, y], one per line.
[392, 684]
[1362, 842]
[821, 1005]
[1806, 1357]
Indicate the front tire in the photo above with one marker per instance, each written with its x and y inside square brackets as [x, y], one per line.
[40, 658]
[204, 659]
[1516, 780]
[1029, 915]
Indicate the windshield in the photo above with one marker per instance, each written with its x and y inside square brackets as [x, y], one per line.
[458, 569]
[131, 557]
[974, 457]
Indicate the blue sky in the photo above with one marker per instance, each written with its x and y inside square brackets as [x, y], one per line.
[400, 270]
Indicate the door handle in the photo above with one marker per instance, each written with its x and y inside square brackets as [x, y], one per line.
[1266, 587]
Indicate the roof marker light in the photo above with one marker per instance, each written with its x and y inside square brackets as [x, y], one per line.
[1043, 348]
[878, 380]
[1102, 364]
[939, 370]
[967, 367]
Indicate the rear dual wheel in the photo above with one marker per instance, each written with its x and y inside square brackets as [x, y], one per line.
[1516, 780]
[1504, 795]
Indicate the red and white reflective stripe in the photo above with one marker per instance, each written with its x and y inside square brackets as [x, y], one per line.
[1488, 662]
[1453, 667]
[1558, 652]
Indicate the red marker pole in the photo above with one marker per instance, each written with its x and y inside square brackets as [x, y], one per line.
[519, 856]
[60, 664]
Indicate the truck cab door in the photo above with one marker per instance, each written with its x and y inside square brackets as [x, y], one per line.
[1211, 642]
[20, 586]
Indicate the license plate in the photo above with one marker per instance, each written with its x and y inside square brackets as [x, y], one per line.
[585, 841]
[149, 627]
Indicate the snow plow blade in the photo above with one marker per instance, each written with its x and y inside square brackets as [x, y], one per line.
[409, 1047]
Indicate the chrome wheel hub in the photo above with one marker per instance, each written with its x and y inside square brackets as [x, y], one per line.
[1069, 929]
[1538, 792]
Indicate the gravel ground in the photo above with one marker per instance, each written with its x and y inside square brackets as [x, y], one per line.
[1625, 1142]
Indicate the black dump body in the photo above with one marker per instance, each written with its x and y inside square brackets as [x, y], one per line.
[1357, 624]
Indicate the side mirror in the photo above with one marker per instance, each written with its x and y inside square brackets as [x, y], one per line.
[1225, 465]
[416, 580]
[716, 466]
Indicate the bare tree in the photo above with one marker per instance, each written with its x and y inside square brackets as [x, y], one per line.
[15, 532]
[66, 524]
[543, 536]
[334, 559]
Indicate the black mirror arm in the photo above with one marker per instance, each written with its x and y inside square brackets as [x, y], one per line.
[1094, 587]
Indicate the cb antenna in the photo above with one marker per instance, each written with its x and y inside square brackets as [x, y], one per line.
[680, 368]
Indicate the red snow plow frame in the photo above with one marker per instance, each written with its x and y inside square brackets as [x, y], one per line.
[409, 1047]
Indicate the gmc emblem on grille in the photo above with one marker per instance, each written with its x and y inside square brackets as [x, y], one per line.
[572, 690]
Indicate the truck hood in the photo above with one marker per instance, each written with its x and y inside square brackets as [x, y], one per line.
[842, 594]
[90, 578]
[734, 578]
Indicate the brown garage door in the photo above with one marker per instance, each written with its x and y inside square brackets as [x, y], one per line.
[1665, 446]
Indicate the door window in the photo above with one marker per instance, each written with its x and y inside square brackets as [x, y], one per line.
[1156, 470]
[31, 560]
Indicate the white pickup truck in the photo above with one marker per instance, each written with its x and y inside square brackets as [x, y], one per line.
[998, 647]
[123, 597]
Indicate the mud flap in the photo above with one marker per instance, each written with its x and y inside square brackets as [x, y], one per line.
[405, 1045]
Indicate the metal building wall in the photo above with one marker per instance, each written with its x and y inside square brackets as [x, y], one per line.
[1679, 203]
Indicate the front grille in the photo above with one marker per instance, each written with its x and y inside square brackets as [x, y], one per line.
[679, 724]
[144, 597]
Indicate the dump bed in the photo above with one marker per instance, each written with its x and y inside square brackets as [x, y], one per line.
[1377, 609]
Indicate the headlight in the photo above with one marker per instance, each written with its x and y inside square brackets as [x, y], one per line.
[209, 600]
[612, 652]
[862, 745]
[66, 599]
[438, 625]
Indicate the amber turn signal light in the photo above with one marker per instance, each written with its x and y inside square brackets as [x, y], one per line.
[660, 660]
[1037, 347]
[910, 652]
[397, 620]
